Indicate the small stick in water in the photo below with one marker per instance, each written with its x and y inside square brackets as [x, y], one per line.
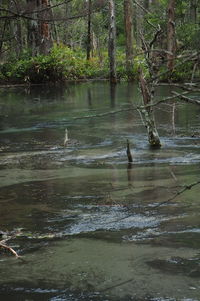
[128, 152]
[66, 139]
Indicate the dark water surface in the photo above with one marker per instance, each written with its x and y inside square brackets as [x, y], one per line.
[88, 226]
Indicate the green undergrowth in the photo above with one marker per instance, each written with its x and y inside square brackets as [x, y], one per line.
[63, 64]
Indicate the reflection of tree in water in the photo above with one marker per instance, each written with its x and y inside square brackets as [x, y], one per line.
[89, 98]
[113, 88]
[49, 93]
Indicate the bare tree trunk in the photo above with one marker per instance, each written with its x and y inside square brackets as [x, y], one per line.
[94, 44]
[55, 35]
[112, 42]
[148, 114]
[39, 34]
[16, 29]
[139, 16]
[19, 37]
[2, 36]
[89, 33]
[171, 40]
[33, 28]
[68, 34]
[128, 15]
[193, 11]
[45, 33]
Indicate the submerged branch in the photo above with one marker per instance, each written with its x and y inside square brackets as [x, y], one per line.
[186, 187]
[116, 285]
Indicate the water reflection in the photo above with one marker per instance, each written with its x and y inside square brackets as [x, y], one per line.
[113, 88]
[89, 98]
[89, 223]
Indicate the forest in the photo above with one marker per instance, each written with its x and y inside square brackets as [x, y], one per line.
[99, 150]
[54, 40]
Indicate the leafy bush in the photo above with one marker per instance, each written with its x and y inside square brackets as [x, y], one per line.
[61, 64]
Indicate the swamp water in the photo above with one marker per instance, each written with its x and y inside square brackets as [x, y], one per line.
[88, 226]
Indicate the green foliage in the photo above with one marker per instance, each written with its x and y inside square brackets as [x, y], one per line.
[61, 64]
[182, 71]
[188, 35]
[64, 63]
[139, 62]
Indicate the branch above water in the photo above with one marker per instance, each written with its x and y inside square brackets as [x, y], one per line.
[174, 97]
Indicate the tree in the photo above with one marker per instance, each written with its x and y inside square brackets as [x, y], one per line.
[128, 15]
[33, 27]
[45, 42]
[171, 38]
[193, 11]
[39, 33]
[89, 33]
[112, 42]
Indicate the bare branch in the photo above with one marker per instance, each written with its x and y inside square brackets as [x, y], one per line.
[11, 250]
[146, 11]
[14, 15]
[186, 86]
[186, 187]
[193, 56]
[156, 35]
[185, 98]
[133, 108]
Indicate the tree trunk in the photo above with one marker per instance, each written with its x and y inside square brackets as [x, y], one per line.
[33, 28]
[2, 36]
[89, 33]
[45, 34]
[171, 40]
[148, 114]
[193, 11]
[112, 42]
[55, 35]
[39, 35]
[18, 37]
[68, 34]
[139, 16]
[128, 15]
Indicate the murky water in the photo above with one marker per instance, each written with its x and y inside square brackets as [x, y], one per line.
[88, 226]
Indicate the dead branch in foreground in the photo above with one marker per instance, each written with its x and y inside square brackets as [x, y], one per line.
[5, 246]
[8, 248]
[187, 99]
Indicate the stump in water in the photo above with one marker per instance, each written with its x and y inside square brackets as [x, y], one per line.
[150, 125]
[128, 152]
